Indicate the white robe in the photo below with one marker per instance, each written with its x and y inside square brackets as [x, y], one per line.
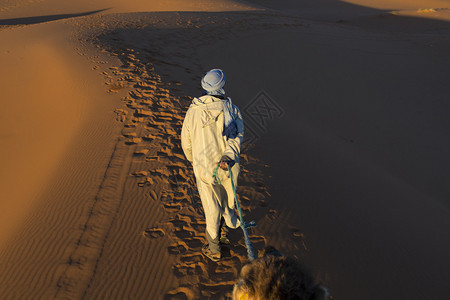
[204, 145]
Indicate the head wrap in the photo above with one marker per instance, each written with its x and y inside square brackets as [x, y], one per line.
[213, 82]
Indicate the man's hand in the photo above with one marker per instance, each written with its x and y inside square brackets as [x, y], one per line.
[224, 165]
[225, 161]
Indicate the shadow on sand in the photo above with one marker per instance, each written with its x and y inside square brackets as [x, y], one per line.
[43, 19]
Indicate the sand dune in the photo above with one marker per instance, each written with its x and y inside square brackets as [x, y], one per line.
[32, 8]
[349, 173]
[43, 100]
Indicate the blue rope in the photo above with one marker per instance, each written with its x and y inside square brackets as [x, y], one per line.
[248, 244]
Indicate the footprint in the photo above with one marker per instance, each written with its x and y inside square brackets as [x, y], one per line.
[147, 180]
[259, 242]
[244, 201]
[115, 87]
[177, 222]
[194, 243]
[148, 137]
[198, 227]
[146, 102]
[192, 258]
[295, 231]
[298, 234]
[272, 214]
[130, 134]
[121, 115]
[182, 270]
[224, 276]
[152, 158]
[224, 268]
[141, 152]
[145, 86]
[181, 293]
[212, 291]
[140, 173]
[153, 233]
[178, 248]
[137, 120]
[160, 172]
[179, 200]
[135, 95]
[170, 130]
[172, 208]
[79, 261]
[143, 113]
[133, 141]
[184, 233]
[153, 195]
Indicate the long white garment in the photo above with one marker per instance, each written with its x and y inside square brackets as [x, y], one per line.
[204, 145]
[216, 200]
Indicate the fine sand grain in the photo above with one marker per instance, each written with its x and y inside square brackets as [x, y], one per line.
[344, 165]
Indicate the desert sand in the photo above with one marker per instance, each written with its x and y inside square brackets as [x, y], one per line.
[344, 165]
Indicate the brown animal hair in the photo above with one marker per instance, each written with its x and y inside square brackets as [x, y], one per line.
[277, 277]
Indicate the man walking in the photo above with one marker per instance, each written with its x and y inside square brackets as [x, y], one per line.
[212, 134]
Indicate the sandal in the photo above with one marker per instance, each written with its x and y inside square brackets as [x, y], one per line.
[212, 256]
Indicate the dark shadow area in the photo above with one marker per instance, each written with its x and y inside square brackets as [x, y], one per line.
[387, 22]
[322, 10]
[344, 13]
[43, 19]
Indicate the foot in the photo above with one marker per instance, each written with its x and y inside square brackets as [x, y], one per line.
[212, 256]
[224, 240]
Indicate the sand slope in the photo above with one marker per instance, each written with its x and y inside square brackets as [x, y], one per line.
[44, 99]
[63, 126]
[38, 8]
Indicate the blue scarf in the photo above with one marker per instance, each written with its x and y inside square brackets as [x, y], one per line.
[230, 129]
